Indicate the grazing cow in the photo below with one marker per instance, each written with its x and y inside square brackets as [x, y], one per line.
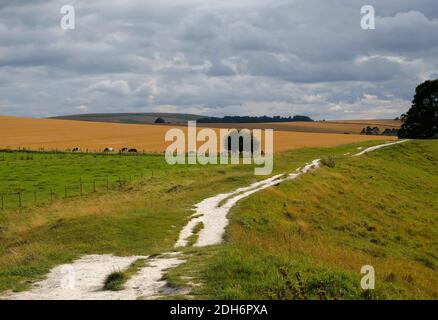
[124, 150]
[132, 150]
[76, 149]
[108, 150]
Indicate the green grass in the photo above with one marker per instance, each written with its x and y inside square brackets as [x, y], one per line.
[308, 238]
[116, 280]
[145, 217]
[140, 218]
[41, 173]
[192, 239]
[328, 161]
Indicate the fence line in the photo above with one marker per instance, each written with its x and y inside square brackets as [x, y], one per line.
[84, 151]
[14, 200]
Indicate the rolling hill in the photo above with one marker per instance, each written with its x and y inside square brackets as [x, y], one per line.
[132, 118]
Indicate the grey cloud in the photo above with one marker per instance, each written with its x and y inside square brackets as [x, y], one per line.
[218, 57]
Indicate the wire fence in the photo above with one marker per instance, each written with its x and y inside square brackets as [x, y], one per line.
[27, 198]
[115, 152]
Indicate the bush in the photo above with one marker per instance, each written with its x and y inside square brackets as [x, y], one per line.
[328, 161]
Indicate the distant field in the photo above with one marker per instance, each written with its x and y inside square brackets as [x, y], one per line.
[52, 134]
[340, 127]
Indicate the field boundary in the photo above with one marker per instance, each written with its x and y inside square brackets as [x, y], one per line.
[75, 190]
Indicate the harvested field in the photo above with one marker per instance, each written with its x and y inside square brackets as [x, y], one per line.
[341, 126]
[60, 135]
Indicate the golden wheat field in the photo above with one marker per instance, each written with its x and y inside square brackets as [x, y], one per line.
[49, 134]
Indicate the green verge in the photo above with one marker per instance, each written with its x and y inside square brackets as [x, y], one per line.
[309, 238]
[139, 218]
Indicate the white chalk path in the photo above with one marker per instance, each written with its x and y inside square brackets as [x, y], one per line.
[84, 279]
[380, 146]
[214, 216]
[90, 272]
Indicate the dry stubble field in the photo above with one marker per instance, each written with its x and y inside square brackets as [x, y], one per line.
[61, 135]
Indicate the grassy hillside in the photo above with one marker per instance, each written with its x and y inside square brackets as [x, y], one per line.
[302, 239]
[143, 217]
[308, 238]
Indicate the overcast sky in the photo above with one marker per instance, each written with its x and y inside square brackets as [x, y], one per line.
[216, 57]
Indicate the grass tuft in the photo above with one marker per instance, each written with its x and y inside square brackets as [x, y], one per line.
[192, 239]
[115, 281]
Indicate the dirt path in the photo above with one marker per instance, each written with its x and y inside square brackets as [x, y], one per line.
[84, 278]
[380, 146]
[212, 212]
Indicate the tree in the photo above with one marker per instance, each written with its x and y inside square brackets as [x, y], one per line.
[421, 121]
[240, 137]
[160, 120]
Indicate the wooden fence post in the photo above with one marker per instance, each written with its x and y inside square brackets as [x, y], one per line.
[94, 186]
[66, 192]
[19, 199]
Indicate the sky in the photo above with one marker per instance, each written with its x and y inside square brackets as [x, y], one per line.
[216, 57]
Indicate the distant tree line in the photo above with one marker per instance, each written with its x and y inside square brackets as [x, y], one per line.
[374, 131]
[248, 119]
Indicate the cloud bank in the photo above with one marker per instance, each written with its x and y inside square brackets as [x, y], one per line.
[216, 57]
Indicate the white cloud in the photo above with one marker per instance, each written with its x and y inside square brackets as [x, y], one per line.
[118, 87]
[82, 108]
